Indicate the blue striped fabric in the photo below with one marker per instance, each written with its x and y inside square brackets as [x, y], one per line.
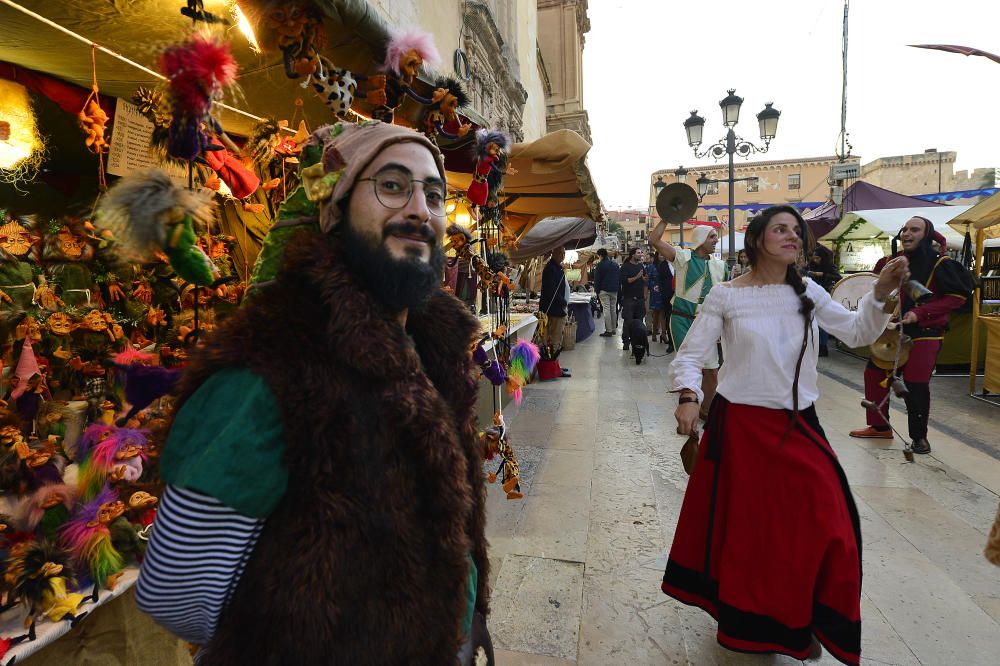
[195, 558]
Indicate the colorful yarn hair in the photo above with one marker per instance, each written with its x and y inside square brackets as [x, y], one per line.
[485, 137]
[524, 356]
[90, 544]
[27, 564]
[30, 512]
[197, 70]
[92, 436]
[132, 356]
[400, 43]
[100, 460]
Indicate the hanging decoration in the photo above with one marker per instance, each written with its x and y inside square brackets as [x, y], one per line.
[198, 70]
[405, 53]
[441, 118]
[336, 87]
[293, 27]
[22, 149]
[93, 120]
[491, 154]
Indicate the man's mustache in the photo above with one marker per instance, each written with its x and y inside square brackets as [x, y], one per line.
[421, 231]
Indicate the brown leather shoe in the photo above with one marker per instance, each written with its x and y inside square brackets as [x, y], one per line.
[871, 433]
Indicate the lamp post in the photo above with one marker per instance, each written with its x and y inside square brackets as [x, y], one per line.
[731, 145]
[682, 175]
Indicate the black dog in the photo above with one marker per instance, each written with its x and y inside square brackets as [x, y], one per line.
[638, 339]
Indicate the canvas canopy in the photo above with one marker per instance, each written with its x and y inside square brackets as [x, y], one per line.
[552, 232]
[984, 216]
[551, 180]
[859, 196]
[864, 225]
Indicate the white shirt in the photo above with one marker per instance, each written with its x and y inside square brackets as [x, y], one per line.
[761, 331]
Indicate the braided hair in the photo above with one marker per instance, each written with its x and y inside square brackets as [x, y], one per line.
[754, 245]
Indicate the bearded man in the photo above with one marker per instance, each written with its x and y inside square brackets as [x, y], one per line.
[925, 322]
[325, 491]
[695, 273]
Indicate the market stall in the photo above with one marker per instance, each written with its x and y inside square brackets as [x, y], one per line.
[143, 192]
[859, 196]
[864, 236]
[982, 224]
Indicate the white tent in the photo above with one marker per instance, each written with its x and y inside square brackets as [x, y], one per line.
[884, 223]
[723, 246]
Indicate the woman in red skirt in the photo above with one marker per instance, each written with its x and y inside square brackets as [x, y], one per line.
[768, 540]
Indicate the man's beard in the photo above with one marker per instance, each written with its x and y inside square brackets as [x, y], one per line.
[398, 284]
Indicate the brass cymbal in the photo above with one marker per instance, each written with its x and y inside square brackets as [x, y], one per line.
[883, 350]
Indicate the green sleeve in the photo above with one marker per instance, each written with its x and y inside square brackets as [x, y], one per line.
[228, 442]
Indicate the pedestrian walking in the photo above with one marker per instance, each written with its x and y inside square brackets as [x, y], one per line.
[657, 322]
[768, 539]
[825, 274]
[633, 292]
[325, 496]
[695, 273]
[925, 322]
[607, 278]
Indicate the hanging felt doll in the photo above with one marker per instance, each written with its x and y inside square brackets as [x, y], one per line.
[197, 72]
[491, 368]
[491, 145]
[405, 54]
[494, 443]
[42, 579]
[442, 118]
[148, 212]
[67, 255]
[88, 538]
[17, 279]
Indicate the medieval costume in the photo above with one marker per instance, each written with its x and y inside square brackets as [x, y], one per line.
[694, 277]
[768, 540]
[327, 459]
[952, 286]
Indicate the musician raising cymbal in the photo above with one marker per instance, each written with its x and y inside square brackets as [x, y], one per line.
[925, 322]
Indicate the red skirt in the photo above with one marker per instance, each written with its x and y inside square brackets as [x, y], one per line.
[768, 541]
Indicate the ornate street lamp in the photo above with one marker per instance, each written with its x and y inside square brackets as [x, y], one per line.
[681, 174]
[731, 145]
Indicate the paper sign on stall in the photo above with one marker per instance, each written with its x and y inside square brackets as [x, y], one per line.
[130, 150]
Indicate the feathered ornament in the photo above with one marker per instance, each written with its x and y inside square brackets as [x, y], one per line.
[524, 356]
[149, 212]
[88, 538]
[197, 71]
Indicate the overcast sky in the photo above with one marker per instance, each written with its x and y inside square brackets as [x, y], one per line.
[648, 63]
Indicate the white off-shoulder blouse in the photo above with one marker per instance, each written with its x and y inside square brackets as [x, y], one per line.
[761, 332]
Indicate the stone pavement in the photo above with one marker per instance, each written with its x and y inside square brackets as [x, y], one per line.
[577, 563]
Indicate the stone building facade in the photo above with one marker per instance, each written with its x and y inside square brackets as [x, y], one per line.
[562, 26]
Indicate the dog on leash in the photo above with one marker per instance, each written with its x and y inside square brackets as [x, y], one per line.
[638, 339]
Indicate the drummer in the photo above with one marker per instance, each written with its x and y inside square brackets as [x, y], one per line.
[695, 273]
[925, 323]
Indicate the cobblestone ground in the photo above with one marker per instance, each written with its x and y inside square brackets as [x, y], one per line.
[577, 563]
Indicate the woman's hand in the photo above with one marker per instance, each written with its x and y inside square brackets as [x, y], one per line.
[893, 274]
[687, 417]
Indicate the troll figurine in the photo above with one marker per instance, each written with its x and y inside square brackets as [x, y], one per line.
[109, 455]
[17, 279]
[41, 581]
[491, 149]
[442, 118]
[46, 510]
[405, 53]
[88, 538]
[494, 442]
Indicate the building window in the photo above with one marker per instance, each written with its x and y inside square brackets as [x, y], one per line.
[794, 181]
[713, 188]
[713, 218]
[753, 185]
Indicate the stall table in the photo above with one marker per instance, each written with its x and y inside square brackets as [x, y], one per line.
[579, 305]
[991, 375]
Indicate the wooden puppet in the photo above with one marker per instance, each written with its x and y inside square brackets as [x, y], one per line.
[67, 255]
[17, 279]
[491, 148]
[441, 118]
[405, 54]
[294, 27]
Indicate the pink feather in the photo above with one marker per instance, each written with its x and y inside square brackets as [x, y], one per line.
[198, 70]
[132, 356]
[400, 42]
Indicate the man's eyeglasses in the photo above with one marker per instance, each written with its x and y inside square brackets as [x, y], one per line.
[394, 189]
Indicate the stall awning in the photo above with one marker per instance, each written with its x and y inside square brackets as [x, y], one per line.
[985, 215]
[884, 223]
[551, 180]
[569, 232]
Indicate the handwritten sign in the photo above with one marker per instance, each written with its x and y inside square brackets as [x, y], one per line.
[130, 149]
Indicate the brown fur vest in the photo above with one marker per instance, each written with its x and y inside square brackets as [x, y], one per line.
[365, 559]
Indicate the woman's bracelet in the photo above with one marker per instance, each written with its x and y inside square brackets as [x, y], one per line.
[684, 399]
